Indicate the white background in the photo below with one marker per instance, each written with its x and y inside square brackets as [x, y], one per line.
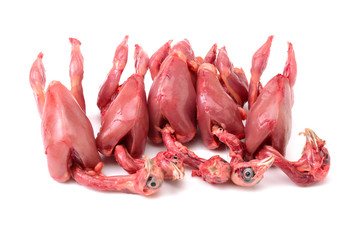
[324, 36]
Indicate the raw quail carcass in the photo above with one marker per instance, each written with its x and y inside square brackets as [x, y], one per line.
[124, 124]
[69, 140]
[269, 120]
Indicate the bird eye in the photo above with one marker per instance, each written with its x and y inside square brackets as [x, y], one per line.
[174, 159]
[153, 182]
[326, 157]
[248, 175]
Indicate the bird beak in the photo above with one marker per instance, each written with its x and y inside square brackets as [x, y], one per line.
[312, 140]
[177, 173]
[267, 162]
[148, 164]
[311, 137]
